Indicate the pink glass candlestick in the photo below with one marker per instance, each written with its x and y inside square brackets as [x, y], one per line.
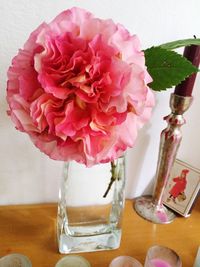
[159, 256]
[159, 263]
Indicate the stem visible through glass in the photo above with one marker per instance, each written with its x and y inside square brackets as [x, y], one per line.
[114, 176]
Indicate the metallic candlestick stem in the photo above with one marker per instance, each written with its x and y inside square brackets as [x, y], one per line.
[151, 207]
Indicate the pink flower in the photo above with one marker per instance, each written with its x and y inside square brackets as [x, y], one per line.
[79, 88]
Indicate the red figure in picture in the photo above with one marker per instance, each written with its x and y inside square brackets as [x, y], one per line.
[177, 191]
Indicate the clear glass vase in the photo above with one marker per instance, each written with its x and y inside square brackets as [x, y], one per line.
[87, 219]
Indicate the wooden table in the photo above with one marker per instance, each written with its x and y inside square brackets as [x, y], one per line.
[30, 230]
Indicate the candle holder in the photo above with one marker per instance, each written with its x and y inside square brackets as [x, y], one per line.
[159, 256]
[128, 261]
[151, 207]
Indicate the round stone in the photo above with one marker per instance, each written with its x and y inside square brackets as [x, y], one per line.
[73, 261]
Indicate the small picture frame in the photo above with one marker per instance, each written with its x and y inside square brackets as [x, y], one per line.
[182, 188]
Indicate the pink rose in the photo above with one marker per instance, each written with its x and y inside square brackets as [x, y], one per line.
[79, 88]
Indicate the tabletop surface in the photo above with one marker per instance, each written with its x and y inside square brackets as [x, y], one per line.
[30, 230]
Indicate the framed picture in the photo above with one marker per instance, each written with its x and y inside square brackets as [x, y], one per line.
[182, 188]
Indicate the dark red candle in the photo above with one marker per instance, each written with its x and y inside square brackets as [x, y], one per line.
[192, 53]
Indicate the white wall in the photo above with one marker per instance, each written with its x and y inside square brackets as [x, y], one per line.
[28, 176]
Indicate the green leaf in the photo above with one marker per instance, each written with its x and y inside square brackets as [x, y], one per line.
[180, 43]
[167, 68]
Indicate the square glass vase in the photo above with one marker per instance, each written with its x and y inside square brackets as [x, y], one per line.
[88, 220]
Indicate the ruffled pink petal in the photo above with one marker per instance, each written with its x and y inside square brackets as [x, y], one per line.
[79, 88]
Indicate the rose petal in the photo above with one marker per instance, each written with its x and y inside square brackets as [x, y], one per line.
[79, 88]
